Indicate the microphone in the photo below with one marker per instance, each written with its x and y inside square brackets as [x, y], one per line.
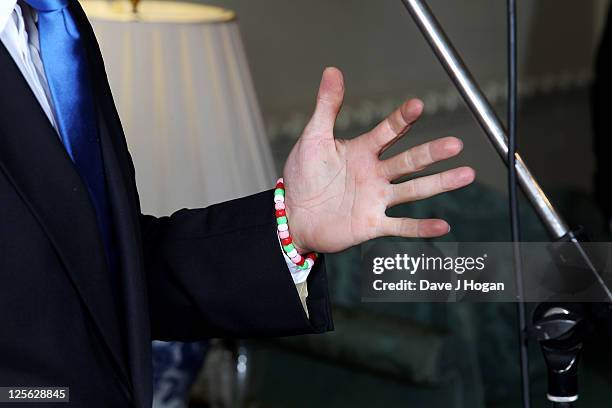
[561, 328]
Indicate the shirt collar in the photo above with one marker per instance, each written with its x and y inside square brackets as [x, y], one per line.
[6, 9]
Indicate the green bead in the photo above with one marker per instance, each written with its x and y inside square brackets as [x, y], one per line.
[305, 266]
[288, 248]
[279, 191]
[281, 220]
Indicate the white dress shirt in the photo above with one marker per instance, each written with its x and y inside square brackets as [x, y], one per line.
[19, 35]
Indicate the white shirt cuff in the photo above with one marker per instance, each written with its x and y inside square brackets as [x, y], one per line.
[298, 275]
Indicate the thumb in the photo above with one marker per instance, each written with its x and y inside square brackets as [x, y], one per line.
[329, 102]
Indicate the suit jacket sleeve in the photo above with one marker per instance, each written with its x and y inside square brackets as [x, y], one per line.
[219, 272]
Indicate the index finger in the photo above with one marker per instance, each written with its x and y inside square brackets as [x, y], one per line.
[395, 125]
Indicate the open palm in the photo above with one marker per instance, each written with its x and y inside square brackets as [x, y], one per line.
[337, 191]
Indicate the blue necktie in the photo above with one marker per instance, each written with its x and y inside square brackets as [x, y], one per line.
[66, 69]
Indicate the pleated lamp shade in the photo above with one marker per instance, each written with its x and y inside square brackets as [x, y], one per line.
[182, 86]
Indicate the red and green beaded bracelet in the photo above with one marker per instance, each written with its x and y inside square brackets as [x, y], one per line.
[282, 225]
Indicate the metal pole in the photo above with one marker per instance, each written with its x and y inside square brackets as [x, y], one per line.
[484, 113]
[513, 199]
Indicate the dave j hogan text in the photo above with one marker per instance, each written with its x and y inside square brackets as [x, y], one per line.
[461, 285]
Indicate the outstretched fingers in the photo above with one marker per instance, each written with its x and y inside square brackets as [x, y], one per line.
[429, 186]
[419, 157]
[418, 189]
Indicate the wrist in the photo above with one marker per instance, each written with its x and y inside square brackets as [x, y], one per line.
[296, 234]
[292, 245]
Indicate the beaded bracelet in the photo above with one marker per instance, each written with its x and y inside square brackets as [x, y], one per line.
[302, 262]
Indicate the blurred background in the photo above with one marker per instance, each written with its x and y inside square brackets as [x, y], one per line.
[236, 89]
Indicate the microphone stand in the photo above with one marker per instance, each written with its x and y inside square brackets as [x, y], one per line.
[559, 328]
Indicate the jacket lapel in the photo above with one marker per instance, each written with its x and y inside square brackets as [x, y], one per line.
[126, 211]
[33, 158]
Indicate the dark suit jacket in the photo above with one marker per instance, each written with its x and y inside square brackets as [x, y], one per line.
[182, 277]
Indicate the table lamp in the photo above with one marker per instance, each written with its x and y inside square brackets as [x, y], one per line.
[180, 79]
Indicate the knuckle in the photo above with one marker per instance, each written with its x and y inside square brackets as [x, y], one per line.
[409, 162]
[431, 156]
[408, 189]
[399, 228]
[397, 123]
[410, 228]
[421, 158]
[418, 228]
[448, 180]
[443, 182]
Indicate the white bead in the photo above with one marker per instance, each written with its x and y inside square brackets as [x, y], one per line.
[296, 258]
[292, 253]
[282, 227]
[278, 198]
[280, 180]
[310, 262]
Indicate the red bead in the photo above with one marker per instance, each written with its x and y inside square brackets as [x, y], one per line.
[312, 256]
[280, 213]
[280, 185]
[286, 241]
[301, 262]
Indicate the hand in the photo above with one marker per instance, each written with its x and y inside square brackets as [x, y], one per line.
[337, 191]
